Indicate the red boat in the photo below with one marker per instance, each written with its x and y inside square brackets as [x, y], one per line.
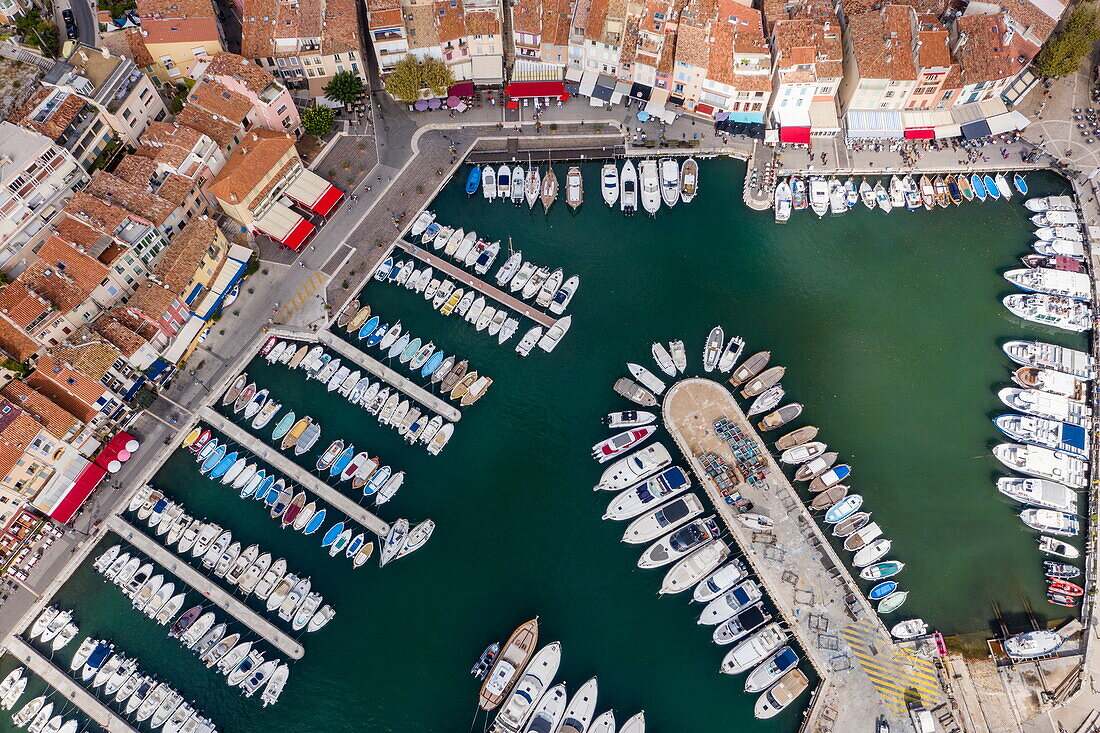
[268, 346]
[625, 441]
[1057, 585]
[1060, 600]
[200, 441]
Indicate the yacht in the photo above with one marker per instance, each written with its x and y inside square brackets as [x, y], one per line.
[649, 493]
[1051, 356]
[532, 186]
[670, 181]
[1056, 218]
[1051, 310]
[771, 669]
[549, 712]
[650, 185]
[663, 358]
[679, 543]
[581, 709]
[741, 625]
[819, 196]
[838, 200]
[1047, 405]
[664, 518]
[1050, 203]
[1039, 493]
[1048, 380]
[488, 183]
[783, 202]
[1045, 433]
[537, 678]
[753, 650]
[1072, 248]
[504, 182]
[508, 665]
[628, 189]
[712, 351]
[730, 603]
[609, 183]
[623, 442]
[574, 188]
[1052, 521]
[518, 180]
[689, 180]
[633, 468]
[781, 694]
[1044, 463]
[731, 354]
[1033, 645]
[720, 581]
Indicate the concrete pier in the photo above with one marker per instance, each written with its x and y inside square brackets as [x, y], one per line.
[206, 587]
[456, 273]
[67, 686]
[414, 391]
[863, 673]
[296, 473]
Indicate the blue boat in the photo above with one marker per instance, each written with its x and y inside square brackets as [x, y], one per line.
[844, 508]
[315, 523]
[1072, 439]
[377, 480]
[432, 364]
[882, 590]
[978, 186]
[99, 655]
[1020, 184]
[378, 335]
[395, 270]
[342, 462]
[224, 465]
[368, 327]
[333, 532]
[473, 181]
[991, 187]
[383, 272]
[263, 488]
[284, 426]
[354, 545]
[213, 459]
[429, 233]
[253, 483]
[206, 450]
[274, 491]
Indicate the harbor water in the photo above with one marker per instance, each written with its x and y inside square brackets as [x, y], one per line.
[890, 328]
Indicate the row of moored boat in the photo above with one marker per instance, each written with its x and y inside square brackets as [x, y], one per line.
[825, 195]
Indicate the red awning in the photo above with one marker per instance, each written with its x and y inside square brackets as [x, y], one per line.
[461, 89]
[85, 483]
[328, 201]
[789, 134]
[704, 109]
[521, 89]
[298, 235]
[920, 133]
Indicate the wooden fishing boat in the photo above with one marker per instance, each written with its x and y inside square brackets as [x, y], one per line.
[295, 432]
[574, 188]
[796, 438]
[347, 313]
[549, 189]
[750, 368]
[463, 385]
[845, 527]
[816, 466]
[780, 417]
[456, 373]
[939, 186]
[763, 381]
[830, 496]
[953, 189]
[359, 319]
[235, 389]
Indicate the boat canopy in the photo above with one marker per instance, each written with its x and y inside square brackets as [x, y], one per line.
[1074, 435]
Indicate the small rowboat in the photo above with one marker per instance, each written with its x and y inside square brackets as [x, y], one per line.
[882, 590]
[830, 496]
[781, 417]
[881, 570]
[845, 527]
[796, 438]
[844, 509]
[892, 602]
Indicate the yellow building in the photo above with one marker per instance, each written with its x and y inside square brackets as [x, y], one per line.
[176, 32]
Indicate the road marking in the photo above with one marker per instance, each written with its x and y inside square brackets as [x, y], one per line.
[898, 675]
[300, 298]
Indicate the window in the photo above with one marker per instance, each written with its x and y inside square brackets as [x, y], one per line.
[282, 108]
[198, 51]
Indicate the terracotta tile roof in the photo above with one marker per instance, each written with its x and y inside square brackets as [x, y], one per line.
[1040, 19]
[219, 130]
[527, 17]
[138, 201]
[335, 22]
[691, 46]
[152, 299]
[375, 6]
[220, 100]
[668, 54]
[96, 213]
[53, 126]
[250, 162]
[628, 48]
[176, 8]
[128, 43]
[934, 50]
[118, 334]
[388, 18]
[58, 421]
[63, 275]
[934, 7]
[487, 24]
[249, 73]
[86, 352]
[984, 57]
[180, 261]
[257, 28]
[79, 233]
[420, 22]
[451, 25]
[169, 144]
[597, 14]
[555, 22]
[73, 391]
[136, 170]
[15, 343]
[21, 305]
[191, 30]
[804, 42]
[748, 27]
[17, 430]
[752, 82]
[341, 31]
[720, 53]
[883, 43]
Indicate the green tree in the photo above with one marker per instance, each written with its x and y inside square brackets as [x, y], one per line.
[318, 120]
[344, 87]
[1063, 52]
[404, 81]
[437, 76]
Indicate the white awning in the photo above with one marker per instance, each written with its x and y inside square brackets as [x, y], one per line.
[308, 188]
[791, 116]
[879, 123]
[952, 130]
[588, 82]
[1008, 122]
[278, 221]
[184, 339]
[487, 69]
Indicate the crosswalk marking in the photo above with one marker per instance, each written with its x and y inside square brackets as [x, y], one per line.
[899, 676]
[301, 297]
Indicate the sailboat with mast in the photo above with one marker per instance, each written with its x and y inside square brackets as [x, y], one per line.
[549, 188]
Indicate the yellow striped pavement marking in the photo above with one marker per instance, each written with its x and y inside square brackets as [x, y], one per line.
[301, 296]
[899, 676]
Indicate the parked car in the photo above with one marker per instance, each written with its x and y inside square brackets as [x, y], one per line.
[70, 24]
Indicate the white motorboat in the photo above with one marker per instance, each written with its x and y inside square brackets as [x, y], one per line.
[1050, 203]
[1044, 463]
[784, 202]
[731, 354]
[689, 180]
[647, 378]
[518, 180]
[633, 468]
[720, 581]
[897, 193]
[780, 695]
[675, 545]
[509, 269]
[488, 183]
[1072, 439]
[1054, 382]
[537, 677]
[867, 195]
[1039, 493]
[1052, 521]
[664, 518]
[679, 355]
[882, 198]
[649, 179]
[609, 184]
[1051, 310]
[532, 186]
[730, 603]
[819, 196]
[555, 333]
[1056, 218]
[421, 222]
[549, 712]
[648, 494]
[581, 709]
[1051, 356]
[628, 188]
[529, 340]
[1033, 645]
[663, 358]
[838, 201]
[670, 181]
[564, 295]
[629, 419]
[1071, 233]
[712, 351]
[753, 650]
[1047, 405]
[741, 625]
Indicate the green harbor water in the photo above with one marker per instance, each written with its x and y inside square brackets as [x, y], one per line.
[890, 326]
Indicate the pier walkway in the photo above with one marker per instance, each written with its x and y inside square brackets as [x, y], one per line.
[841, 634]
[456, 273]
[277, 460]
[67, 686]
[206, 587]
[433, 402]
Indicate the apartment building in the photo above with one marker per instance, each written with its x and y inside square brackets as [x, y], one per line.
[183, 150]
[177, 32]
[37, 178]
[808, 66]
[217, 112]
[736, 83]
[880, 71]
[68, 120]
[272, 107]
[27, 456]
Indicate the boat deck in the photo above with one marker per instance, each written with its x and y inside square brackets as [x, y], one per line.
[206, 587]
[69, 688]
[456, 273]
[838, 630]
[296, 473]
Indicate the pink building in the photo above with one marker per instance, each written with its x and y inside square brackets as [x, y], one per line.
[272, 106]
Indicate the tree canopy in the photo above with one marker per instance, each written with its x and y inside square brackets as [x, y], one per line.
[410, 77]
[344, 87]
[318, 120]
[1064, 51]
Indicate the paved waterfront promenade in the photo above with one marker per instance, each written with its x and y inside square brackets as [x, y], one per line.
[863, 674]
[298, 474]
[515, 305]
[206, 587]
[66, 686]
